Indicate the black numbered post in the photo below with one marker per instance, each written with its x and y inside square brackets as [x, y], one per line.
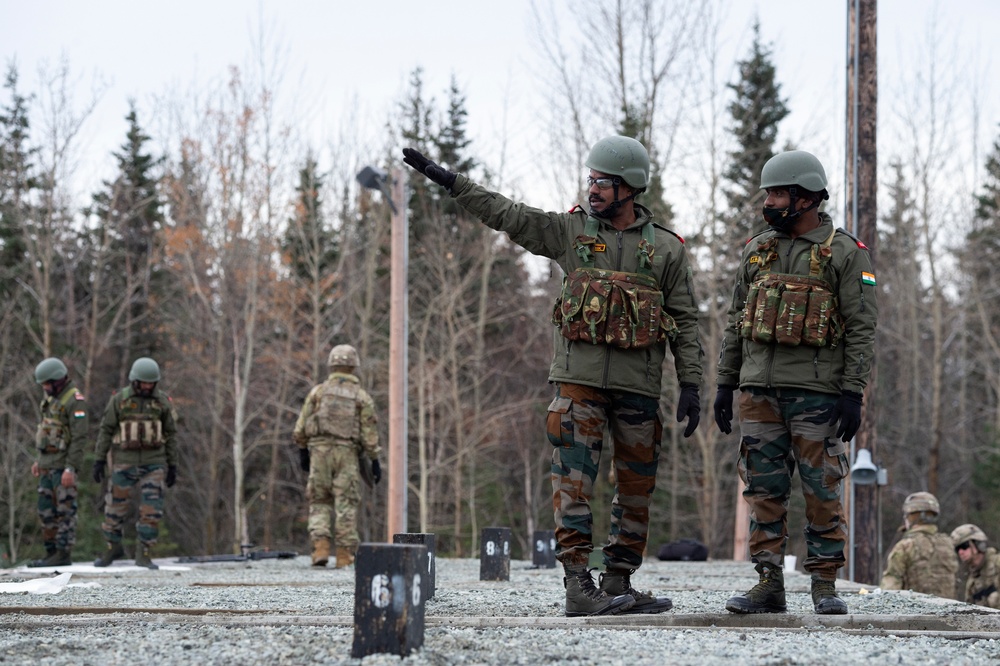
[494, 554]
[544, 554]
[388, 599]
[430, 577]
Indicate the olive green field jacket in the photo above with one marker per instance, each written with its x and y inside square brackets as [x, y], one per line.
[830, 369]
[552, 235]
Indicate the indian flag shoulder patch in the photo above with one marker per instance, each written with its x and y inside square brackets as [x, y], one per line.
[868, 278]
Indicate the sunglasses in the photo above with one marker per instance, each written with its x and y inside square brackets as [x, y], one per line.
[963, 546]
[602, 183]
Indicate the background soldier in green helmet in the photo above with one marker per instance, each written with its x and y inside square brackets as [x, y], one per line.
[337, 436]
[923, 560]
[139, 430]
[982, 587]
[627, 297]
[799, 346]
[59, 446]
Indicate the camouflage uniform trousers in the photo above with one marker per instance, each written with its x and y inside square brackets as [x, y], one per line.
[576, 422]
[334, 487]
[56, 510]
[782, 429]
[151, 480]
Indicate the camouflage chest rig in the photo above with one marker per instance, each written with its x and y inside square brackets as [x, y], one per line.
[53, 435]
[787, 309]
[617, 308]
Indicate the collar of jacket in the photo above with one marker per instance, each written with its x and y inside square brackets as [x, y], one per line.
[817, 235]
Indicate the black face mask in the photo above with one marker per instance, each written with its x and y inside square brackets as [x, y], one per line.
[142, 393]
[781, 219]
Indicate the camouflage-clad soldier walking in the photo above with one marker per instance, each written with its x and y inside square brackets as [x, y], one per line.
[627, 297]
[337, 436]
[799, 345]
[924, 559]
[982, 587]
[139, 430]
[60, 442]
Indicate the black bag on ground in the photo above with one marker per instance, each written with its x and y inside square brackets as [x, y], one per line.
[685, 549]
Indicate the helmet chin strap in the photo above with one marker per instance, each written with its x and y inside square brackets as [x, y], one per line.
[614, 206]
[789, 219]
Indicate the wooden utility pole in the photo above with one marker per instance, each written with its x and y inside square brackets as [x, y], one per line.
[398, 345]
[861, 218]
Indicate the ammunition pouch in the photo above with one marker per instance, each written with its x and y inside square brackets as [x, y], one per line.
[139, 433]
[52, 436]
[791, 310]
[612, 307]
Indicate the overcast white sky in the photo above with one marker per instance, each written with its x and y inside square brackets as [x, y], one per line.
[339, 52]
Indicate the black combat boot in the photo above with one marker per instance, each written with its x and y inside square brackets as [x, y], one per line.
[583, 597]
[825, 599]
[53, 558]
[113, 552]
[767, 596]
[615, 582]
[142, 558]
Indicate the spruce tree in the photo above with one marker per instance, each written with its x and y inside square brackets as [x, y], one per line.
[17, 181]
[756, 111]
[130, 207]
[311, 247]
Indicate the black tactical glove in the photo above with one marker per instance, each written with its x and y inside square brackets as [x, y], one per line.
[304, 459]
[171, 475]
[724, 408]
[435, 172]
[99, 468]
[848, 412]
[689, 405]
[376, 471]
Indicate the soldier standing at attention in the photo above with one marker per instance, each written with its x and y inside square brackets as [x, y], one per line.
[924, 559]
[799, 346]
[983, 584]
[337, 435]
[59, 445]
[139, 429]
[627, 296]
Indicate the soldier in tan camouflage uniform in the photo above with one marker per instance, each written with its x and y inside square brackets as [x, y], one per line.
[337, 434]
[983, 585]
[627, 298]
[924, 559]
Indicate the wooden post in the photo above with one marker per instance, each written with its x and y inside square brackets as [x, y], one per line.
[430, 573]
[543, 555]
[398, 344]
[388, 599]
[494, 554]
[861, 218]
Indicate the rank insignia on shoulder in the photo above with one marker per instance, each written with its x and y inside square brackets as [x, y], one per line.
[755, 259]
[867, 278]
[861, 245]
[600, 247]
[576, 209]
[78, 396]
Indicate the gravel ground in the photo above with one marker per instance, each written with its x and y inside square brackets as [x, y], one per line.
[286, 612]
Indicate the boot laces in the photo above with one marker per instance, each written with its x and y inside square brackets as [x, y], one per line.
[822, 589]
[587, 585]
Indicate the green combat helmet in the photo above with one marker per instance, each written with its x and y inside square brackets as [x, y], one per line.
[621, 156]
[50, 370]
[144, 369]
[793, 168]
[344, 355]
